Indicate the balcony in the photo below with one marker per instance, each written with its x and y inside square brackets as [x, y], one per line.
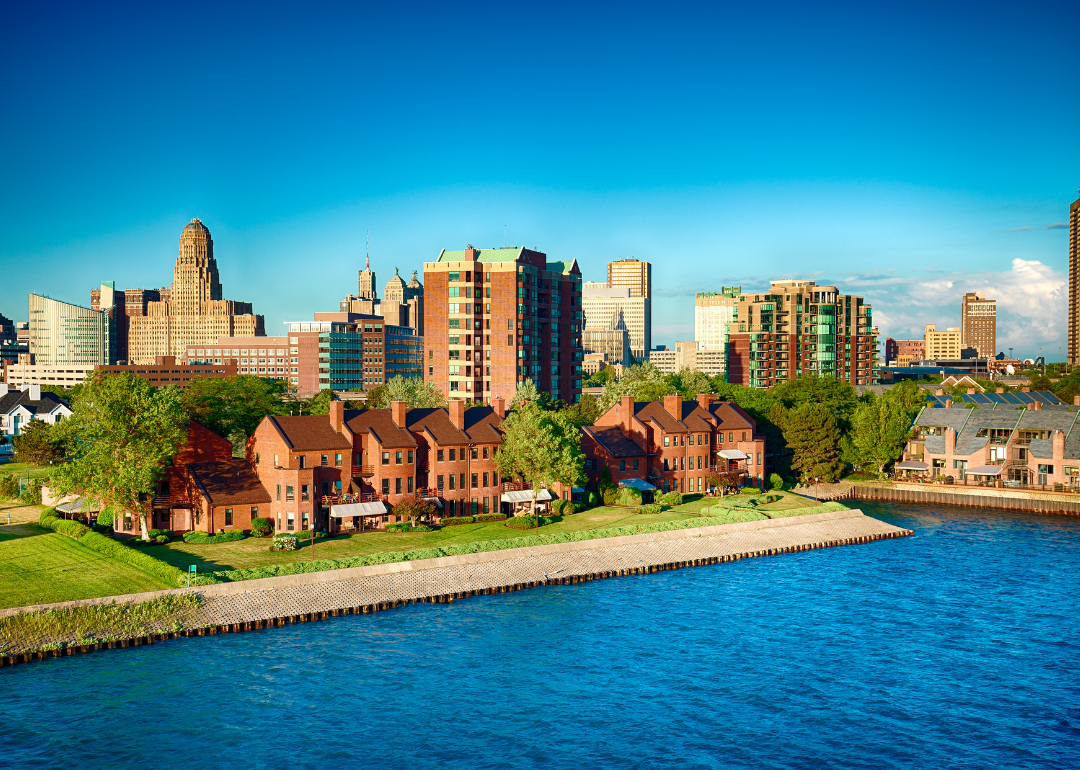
[363, 471]
[365, 497]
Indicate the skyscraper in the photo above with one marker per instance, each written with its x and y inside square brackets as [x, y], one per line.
[713, 311]
[63, 334]
[194, 313]
[1074, 283]
[978, 324]
[607, 309]
[496, 317]
[403, 303]
[635, 276]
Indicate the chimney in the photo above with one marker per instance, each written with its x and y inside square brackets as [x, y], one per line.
[470, 253]
[971, 391]
[939, 392]
[337, 415]
[1025, 389]
[33, 392]
[398, 410]
[1035, 406]
[1076, 400]
[950, 441]
[456, 407]
[999, 389]
[704, 400]
[498, 405]
[948, 403]
[626, 413]
[1059, 445]
[673, 405]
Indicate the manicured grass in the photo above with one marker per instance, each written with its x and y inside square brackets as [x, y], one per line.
[788, 502]
[38, 566]
[254, 552]
[24, 470]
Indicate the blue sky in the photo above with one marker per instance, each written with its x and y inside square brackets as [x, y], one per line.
[908, 153]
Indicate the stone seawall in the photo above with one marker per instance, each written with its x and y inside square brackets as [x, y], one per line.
[972, 497]
[274, 602]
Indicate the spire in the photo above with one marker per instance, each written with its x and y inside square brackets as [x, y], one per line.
[367, 249]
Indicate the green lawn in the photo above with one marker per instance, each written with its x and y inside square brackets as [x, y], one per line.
[24, 470]
[788, 502]
[38, 566]
[254, 552]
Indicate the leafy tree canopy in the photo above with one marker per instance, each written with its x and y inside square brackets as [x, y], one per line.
[127, 432]
[585, 412]
[414, 391]
[38, 444]
[642, 381]
[234, 406]
[542, 447]
[811, 433]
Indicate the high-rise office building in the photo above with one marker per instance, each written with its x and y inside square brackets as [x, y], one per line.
[942, 343]
[194, 313]
[607, 308]
[632, 273]
[7, 330]
[713, 311]
[1074, 283]
[127, 303]
[496, 317]
[64, 334]
[798, 327]
[403, 303]
[978, 324]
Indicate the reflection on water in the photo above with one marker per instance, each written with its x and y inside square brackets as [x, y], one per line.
[956, 647]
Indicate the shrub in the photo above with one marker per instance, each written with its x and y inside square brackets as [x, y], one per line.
[161, 539]
[261, 527]
[69, 528]
[105, 517]
[751, 491]
[490, 517]
[671, 498]
[414, 509]
[526, 522]
[609, 497]
[650, 508]
[628, 496]
[48, 513]
[592, 499]
[201, 538]
[408, 526]
[450, 521]
[776, 481]
[285, 542]
[563, 507]
[9, 487]
[32, 494]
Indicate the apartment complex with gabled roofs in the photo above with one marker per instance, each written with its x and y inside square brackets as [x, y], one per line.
[674, 444]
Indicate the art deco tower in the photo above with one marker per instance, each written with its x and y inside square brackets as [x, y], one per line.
[1074, 283]
[195, 278]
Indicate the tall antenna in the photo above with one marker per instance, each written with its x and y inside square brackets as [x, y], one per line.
[367, 249]
[504, 236]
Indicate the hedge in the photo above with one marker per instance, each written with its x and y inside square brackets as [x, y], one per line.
[9, 487]
[201, 538]
[628, 496]
[490, 517]
[261, 527]
[750, 491]
[671, 498]
[527, 521]
[452, 520]
[651, 508]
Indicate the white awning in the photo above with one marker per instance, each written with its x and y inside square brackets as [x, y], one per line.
[525, 496]
[912, 465]
[82, 505]
[357, 509]
[437, 501]
[985, 470]
[731, 454]
[639, 484]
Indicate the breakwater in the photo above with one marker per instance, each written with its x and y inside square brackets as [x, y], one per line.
[1000, 499]
[306, 597]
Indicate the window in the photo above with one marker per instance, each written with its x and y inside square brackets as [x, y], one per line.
[475, 480]
[749, 459]
[475, 507]
[452, 456]
[254, 511]
[439, 455]
[385, 458]
[325, 460]
[304, 492]
[410, 484]
[731, 437]
[303, 463]
[291, 523]
[397, 485]
[485, 453]
[485, 505]
[635, 464]
[486, 481]
[462, 480]
[386, 486]
[744, 435]
[622, 465]
[667, 440]
[665, 466]
[337, 459]
[279, 491]
[453, 478]
[474, 453]
[759, 458]
[410, 455]
[290, 494]
[228, 517]
[397, 458]
[439, 482]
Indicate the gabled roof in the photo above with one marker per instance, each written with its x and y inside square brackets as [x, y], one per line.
[730, 416]
[310, 432]
[695, 418]
[381, 424]
[481, 425]
[11, 400]
[229, 483]
[437, 423]
[565, 267]
[654, 410]
[611, 438]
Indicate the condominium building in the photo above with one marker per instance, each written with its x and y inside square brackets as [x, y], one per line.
[904, 352]
[607, 308]
[496, 317]
[1074, 283]
[944, 343]
[978, 324]
[194, 313]
[26, 371]
[713, 311]
[65, 334]
[799, 327]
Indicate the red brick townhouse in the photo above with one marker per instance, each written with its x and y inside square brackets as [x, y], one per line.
[673, 444]
[205, 488]
[378, 456]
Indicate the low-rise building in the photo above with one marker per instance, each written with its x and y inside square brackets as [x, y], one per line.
[166, 371]
[29, 372]
[673, 444]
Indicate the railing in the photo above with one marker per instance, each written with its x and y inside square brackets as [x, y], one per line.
[423, 492]
[364, 497]
[513, 486]
[363, 470]
[976, 481]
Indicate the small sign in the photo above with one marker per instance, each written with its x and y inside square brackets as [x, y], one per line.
[191, 568]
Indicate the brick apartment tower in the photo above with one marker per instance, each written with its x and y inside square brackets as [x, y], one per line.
[496, 317]
[978, 324]
[1074, 283]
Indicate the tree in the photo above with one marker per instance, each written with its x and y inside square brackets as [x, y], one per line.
[38, 444]
[526, 393]
[642, 381]
[838, 396]
[542, 448]
[811, 433]
[233, 407]
[126, 431]
[414, 391]
[879, 430]
[585, 412]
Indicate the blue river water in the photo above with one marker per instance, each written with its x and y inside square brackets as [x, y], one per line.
[955, 648]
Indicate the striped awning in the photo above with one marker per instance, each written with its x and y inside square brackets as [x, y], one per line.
[358, 509]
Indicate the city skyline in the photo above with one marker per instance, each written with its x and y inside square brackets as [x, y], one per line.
[891, 165]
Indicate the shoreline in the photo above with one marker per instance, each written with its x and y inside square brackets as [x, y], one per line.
[277, 601]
